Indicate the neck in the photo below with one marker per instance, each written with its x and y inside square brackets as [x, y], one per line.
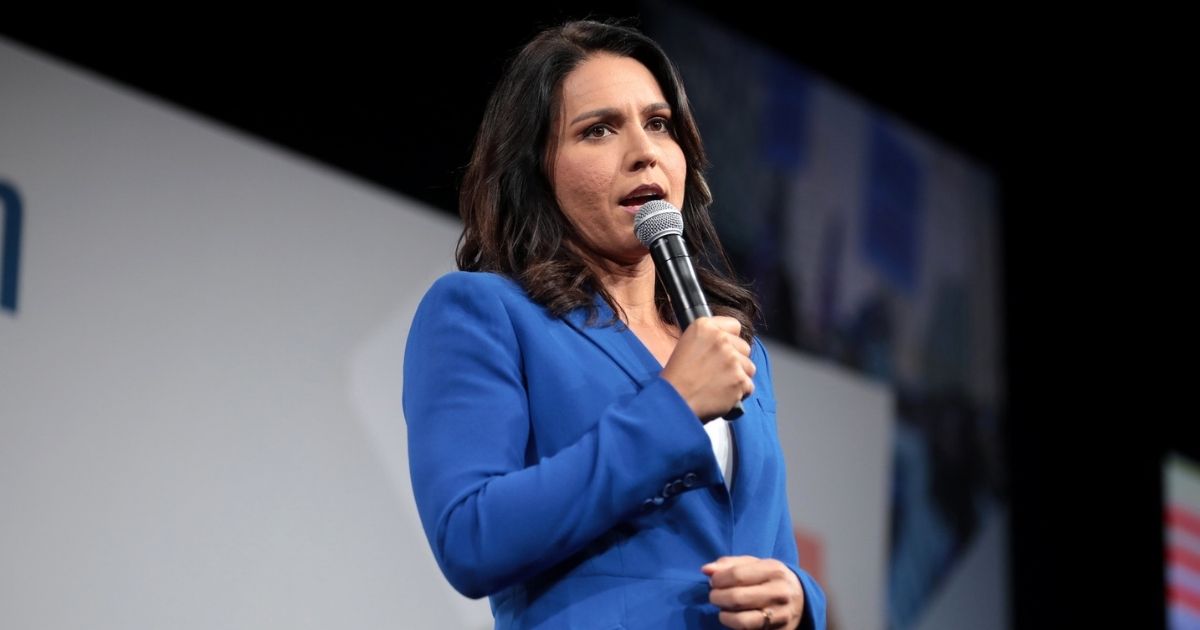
[631, 286]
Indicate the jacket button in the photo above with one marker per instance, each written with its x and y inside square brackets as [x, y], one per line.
[651, 503]
[690, 479]
[677, 486]
[648, 505]
[669, 489]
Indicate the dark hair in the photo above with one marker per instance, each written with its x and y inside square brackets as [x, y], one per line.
[512, 222]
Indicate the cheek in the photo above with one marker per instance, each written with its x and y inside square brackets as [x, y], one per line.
[579, 187]
[677, 172]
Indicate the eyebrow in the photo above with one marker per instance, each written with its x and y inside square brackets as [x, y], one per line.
[609, 112]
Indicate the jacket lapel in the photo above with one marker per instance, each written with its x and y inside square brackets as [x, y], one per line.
[611, 337]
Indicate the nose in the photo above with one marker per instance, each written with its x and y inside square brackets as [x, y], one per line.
[643, 150]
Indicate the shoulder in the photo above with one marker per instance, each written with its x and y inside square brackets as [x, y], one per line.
[466, 283]
[468, 288]
[472, 296]
[470, 311]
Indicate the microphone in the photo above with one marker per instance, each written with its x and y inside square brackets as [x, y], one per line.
[659, 226]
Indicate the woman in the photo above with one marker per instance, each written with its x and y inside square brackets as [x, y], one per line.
[567, 454]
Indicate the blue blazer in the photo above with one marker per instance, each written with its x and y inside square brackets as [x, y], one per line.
[556, 472]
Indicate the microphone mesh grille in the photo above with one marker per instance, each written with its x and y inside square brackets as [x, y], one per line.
[655, 219]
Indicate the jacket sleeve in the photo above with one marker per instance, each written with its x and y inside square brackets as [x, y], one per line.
[785, 540]
[491, 520]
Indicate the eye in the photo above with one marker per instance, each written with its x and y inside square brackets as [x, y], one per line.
[597, 131]
[659, 124]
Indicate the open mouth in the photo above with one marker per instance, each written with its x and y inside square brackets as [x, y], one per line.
[636, 201]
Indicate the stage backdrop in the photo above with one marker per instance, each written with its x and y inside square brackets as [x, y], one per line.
[201, 342]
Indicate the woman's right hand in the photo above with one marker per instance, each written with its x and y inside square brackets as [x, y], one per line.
[711, 367]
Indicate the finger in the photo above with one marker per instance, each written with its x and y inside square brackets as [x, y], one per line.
[746, 390]
[703, 328]
[728, 324]
[750, 620]
[774, 593]
[748, 366]
[739, 344]
[745, 386]
[724, 562]
[749, 573]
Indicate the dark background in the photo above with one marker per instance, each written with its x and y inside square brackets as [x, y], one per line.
[1079, 119]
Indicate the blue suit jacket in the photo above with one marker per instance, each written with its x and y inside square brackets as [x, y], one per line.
[557, 472]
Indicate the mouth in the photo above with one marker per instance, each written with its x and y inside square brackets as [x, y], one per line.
[641, 195]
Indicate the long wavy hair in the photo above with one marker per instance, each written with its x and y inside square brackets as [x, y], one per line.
[512, 224]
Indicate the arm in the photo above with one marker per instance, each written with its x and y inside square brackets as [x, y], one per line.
[490, 520]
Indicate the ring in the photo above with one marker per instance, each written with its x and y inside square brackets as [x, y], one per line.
[766, 618]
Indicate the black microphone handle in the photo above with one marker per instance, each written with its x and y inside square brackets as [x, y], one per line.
[675, 271]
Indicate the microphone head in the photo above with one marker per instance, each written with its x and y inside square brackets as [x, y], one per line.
[656, 219]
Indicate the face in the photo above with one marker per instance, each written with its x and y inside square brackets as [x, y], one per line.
[614, 150]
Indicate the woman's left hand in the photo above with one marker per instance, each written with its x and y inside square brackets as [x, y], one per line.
[755, 593]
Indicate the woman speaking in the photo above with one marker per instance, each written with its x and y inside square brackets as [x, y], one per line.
[568, 451]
